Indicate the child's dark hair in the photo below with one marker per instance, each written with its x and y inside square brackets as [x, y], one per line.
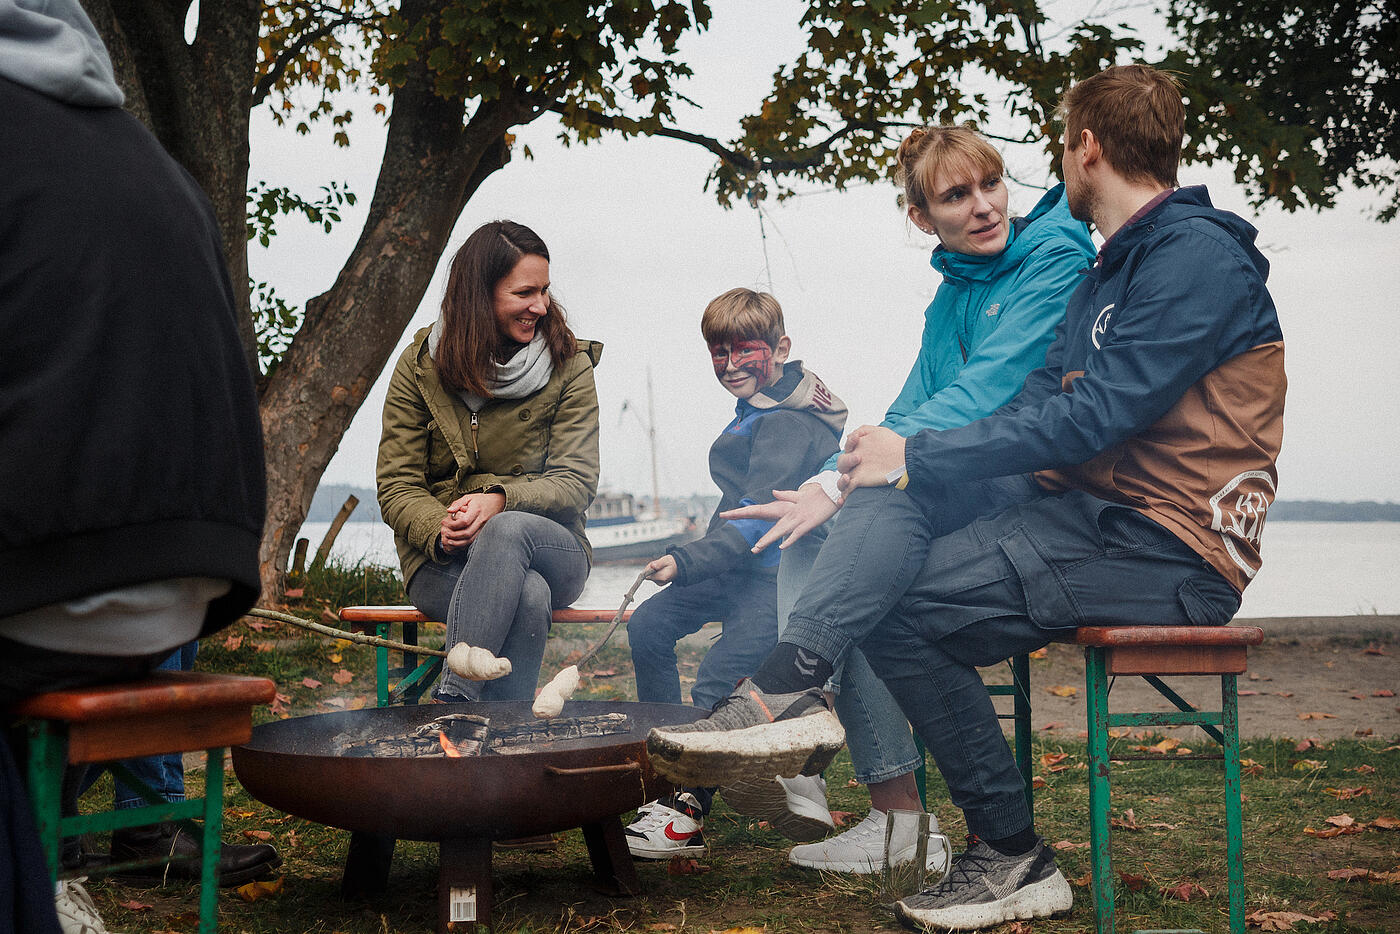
[743, 314]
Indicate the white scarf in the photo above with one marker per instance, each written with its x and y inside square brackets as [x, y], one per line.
[524, 374]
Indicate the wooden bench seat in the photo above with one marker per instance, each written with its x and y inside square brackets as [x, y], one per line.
[167, 712]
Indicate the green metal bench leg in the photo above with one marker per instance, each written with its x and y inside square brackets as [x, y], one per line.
[212, 841]
[1096, 702]
[44, 768]
[1234, 825]
[381, 666]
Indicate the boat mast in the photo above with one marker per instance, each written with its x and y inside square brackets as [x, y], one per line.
[651, 438]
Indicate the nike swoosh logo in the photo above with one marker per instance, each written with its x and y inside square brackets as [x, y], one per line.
[672, 835]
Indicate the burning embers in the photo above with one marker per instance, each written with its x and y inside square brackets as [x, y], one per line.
[463, 734]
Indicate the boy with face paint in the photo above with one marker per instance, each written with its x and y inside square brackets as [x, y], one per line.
[786, 423]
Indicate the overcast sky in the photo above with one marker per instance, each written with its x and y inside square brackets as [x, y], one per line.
[639, 249]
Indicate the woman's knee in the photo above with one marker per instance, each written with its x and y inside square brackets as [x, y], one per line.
[535, 608]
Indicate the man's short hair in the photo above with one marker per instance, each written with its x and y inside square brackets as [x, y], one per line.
[1136, 114]
[743, 315]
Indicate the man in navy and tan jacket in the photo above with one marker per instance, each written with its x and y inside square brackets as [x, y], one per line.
[1126, 484]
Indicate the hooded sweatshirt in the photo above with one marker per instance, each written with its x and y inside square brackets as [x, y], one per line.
[1163, 390]
[778, 438]
[127, 410]
[991, 320]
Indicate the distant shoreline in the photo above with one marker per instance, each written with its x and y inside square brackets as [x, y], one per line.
[330, 497]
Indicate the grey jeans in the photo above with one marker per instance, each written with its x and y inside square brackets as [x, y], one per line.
[500, 596]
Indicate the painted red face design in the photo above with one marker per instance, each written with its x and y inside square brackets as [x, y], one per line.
[752, 357]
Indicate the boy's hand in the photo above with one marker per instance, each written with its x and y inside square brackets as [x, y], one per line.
[872, 453]
[794, 513]
[466, 516]
[663, 570]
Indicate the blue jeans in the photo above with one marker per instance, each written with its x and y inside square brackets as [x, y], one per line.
[989, 570]
[501, 595]
[747, 607]
[165, 775]
[877, 734]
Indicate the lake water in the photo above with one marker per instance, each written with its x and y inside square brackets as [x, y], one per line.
[1310, 568]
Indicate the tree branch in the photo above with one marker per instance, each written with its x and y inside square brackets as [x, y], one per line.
[288, 54]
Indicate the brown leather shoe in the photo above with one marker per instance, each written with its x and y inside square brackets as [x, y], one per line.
[238, 864]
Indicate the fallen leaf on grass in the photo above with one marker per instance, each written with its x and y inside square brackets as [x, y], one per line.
[1309, 765]
[684, 866]
[232, 643]
[1054, 725]
[742, 929]
[279, 705]
[1317, 715]
[1053, 758]
[257, 834]
[1128, 821]
[1069, 845]
[1344, 794]
[311, 683]
[334, 658]
[603, 673]
[1185, 891]
[1165, 746]
[1340, 820]
[1037, 783]
[1082, 881]
[1131, 882]
[343, 676]
[1250, 767]
[1312, 742]
[1346, 875]
[1283, 694]
[1383, 692]
[260, 889]
[1385, 823]
[1284, 920]
[1362, 731]
[134, 905]
[1039, 653]
[660, 926]
[1375, 648]
[1062, 690]
[841, 818]
[257, 625]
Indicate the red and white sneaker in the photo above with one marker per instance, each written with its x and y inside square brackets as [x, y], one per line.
[668, 827]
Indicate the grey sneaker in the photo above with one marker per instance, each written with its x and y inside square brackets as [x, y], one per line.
[794, 807]
[750, 735]
[986, 888]
[76, 912]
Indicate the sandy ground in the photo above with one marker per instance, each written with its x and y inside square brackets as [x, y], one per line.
[1316, 677]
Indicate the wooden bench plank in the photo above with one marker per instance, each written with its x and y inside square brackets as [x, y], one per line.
[362, 617]
[162, 692]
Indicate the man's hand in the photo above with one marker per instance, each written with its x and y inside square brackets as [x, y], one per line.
[466, 516]
[794, 513]
[872, 453]
[663, 570]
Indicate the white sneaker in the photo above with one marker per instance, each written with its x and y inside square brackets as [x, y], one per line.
[666, 828]
[76, 912]
[794, 807]
[862, 849]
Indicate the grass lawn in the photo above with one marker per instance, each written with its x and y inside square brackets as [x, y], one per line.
[1322, 836]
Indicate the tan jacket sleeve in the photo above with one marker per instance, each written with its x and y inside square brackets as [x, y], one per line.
[405, 500]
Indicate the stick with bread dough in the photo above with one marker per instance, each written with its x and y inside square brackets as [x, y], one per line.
[561, 687]
[476, 664]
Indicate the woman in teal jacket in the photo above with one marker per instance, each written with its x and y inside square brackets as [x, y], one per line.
[1005, 286]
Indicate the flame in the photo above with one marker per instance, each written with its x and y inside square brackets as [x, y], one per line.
[447, 746]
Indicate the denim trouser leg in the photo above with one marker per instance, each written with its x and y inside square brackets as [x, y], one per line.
[877, 734]
[500, 597]
[164, 774]
[745, 605]
[1000, 586]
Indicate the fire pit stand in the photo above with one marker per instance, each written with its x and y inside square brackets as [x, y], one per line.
[463, 803]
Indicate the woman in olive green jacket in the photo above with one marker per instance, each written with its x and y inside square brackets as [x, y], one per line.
[489, 458]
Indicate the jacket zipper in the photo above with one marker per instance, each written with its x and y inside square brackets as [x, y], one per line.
[474, 424]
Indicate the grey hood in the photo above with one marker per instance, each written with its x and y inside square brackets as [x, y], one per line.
[51, 46]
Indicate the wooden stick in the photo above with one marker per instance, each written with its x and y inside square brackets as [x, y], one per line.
[358, 637]
[617, 618]
[324, 551]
